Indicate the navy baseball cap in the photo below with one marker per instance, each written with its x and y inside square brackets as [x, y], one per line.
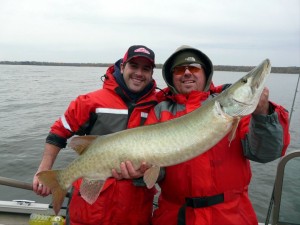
[139, 51]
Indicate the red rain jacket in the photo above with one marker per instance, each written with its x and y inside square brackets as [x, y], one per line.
[103, 112]
[221, 170]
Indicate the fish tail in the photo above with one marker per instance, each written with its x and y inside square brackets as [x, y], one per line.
[49, 179]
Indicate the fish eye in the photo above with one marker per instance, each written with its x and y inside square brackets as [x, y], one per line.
[244, 80]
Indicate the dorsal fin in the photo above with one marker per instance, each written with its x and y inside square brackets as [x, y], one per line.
[81, 143]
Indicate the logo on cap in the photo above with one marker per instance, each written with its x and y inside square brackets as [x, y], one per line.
[143, 50]
[190, 59]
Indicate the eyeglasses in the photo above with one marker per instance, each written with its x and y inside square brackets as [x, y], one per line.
[180, 70]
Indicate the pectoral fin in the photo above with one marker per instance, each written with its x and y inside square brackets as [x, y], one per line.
[151, 175]
[90, 189]
[235, 124]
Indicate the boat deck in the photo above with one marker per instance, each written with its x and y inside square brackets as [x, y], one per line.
[8, 218]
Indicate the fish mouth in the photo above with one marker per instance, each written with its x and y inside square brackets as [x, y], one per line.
[241, 103]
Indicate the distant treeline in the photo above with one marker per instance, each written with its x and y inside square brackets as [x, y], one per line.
[34, 63]
[290, 70]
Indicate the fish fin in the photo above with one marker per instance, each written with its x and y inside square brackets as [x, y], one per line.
[49, 179]
[90, 190]
[235, 124]
[81, 143]
[151, 175]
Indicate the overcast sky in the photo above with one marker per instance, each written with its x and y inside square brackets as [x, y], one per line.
[230, 32]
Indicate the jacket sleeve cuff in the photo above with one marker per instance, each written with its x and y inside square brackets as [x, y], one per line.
[56, 140]
[140, 181]
[264, 141]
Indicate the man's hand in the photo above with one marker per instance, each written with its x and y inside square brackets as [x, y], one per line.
[263, 104]
[49, 156]
[40, 189]
[128, 171]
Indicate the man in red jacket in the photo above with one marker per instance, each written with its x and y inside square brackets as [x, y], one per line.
[212, 189]
[127, 95]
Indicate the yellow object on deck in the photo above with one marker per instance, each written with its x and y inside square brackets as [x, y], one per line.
[39, 219]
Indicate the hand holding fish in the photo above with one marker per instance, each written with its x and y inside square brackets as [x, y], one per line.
[263, 104]
[39, 188]
[49, 156]
[129, 172]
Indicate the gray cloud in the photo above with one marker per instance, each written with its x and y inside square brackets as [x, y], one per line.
[231, 32]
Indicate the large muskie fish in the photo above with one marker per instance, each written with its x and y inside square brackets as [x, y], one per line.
[159, 145]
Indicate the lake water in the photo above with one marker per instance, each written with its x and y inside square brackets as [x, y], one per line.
[33, 97]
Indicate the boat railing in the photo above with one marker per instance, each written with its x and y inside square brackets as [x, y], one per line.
[286, 193]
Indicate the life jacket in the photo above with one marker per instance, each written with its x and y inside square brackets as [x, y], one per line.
[211, 188]
[106, 111]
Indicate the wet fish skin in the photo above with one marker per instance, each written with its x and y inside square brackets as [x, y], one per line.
[159, 145]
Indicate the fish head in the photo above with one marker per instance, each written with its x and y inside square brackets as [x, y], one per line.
[242, 97]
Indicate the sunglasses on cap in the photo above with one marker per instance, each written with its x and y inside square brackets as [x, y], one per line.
[180, 70]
